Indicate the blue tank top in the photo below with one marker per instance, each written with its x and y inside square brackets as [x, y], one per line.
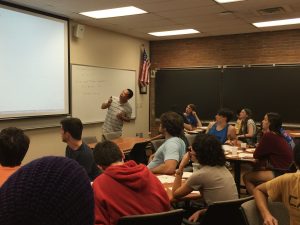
[221, 135]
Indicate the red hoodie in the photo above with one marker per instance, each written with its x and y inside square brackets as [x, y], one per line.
[127, 189]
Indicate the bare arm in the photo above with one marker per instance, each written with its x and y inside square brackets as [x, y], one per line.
[199, 124]
[187, 126]
[168, 167]
[261, 198]
[209, 127]
[122, 116]
[231, 135]
[250, 132]
[179, 190]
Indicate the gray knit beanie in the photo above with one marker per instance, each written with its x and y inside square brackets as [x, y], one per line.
[48, 191]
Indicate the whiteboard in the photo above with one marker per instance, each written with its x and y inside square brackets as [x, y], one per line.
[91, 86]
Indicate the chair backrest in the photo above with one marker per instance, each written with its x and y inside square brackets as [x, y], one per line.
[253, 217]
[138, 153]
[173, 217]
[225, 212]
[156, 143]
[89, 139]
[111, 136]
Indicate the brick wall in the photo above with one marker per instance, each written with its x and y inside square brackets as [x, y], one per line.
[256, 48]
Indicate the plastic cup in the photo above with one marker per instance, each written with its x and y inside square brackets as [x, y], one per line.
[234, 150]
[196, 166]
[243, 145]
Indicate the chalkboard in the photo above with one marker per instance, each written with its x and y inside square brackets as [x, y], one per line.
[183, 86]
[91, 86]
[264, 89]
[260, 88]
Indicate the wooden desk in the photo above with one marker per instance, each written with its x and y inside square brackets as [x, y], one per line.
[241, 157]
[168, 188]
[294, 133]
[125, 143]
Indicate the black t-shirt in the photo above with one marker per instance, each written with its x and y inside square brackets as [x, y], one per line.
[84, 156]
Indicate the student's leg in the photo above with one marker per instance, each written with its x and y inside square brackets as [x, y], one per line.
[254, 178]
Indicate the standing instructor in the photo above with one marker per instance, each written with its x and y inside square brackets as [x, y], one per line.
[119, 110]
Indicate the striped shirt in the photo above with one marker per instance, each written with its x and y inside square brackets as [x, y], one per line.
[112, 123]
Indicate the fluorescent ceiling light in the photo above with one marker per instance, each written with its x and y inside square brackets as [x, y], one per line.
[174, 32]
[108, 13]
[228, 1]
[277, 23]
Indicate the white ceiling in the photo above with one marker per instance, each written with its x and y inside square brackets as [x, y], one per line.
[207, 16]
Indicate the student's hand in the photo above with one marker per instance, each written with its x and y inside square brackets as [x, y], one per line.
[196, 215]
[121, 116]
[194, 113]
[270, 220]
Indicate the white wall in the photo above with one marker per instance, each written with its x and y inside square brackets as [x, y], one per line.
[104, 49]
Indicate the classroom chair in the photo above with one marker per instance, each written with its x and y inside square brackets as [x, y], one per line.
[173, 217]
[157, 143]
[223, 212]
[252, 216]
[138, 153]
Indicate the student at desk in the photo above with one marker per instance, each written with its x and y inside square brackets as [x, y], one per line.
[220, 128]
[247, 131]
[192, 118]
[273, 154]
[124, 188]
[213, 180]
[170, 153]
[283, 189]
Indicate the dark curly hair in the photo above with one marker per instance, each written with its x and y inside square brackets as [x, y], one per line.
[227, 113]
[209, 150]
[172, 122]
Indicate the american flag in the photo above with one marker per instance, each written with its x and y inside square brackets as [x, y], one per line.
[144, 77]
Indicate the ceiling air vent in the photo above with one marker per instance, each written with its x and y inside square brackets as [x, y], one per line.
[271, 11]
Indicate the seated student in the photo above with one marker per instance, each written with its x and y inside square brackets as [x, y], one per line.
[213, 180]
[247, 132]
[220, 128]
[124, 188]
[284, 189]
[49, 191]
[170, 153]
[13, 148]
[71, 131]
[192, 118]
[273, 154]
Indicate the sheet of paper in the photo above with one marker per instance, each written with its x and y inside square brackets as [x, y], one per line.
[166, 179]
[246, 155]
[186, 175]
